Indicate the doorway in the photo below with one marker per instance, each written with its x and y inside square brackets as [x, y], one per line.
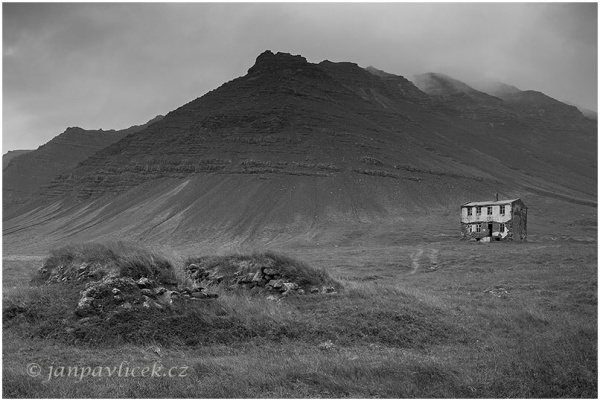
[490, 228]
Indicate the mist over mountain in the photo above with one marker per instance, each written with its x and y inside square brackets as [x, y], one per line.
[299, 151]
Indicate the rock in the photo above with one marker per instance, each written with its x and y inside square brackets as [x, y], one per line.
[85, 302]
[150, 303]
[194, 267]
[147, 292]
[198, 294]
[160, 290]
[289, 286]
[328, 289]
[300, 291]
[314, 290]
[272, 298]
[145, 282]
[116, 291]
[270, 272]
[126, 305]
[326, 345]
[275, 283]
[165, 298]
[258, 276]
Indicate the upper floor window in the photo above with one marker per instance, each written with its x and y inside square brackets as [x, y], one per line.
[502, 209]
[478, 210]
[469, 212]
[489, 210]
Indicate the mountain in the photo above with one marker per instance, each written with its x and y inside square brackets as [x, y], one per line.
[11, 154]
[591, 114]
[32, 170]
[298, 152]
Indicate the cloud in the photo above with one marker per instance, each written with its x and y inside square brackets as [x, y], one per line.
[112, 65]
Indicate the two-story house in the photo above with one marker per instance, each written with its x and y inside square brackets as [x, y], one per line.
[494, 220]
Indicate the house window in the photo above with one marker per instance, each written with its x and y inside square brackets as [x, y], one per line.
[469, 213]
[502, 227]
[478, 228]
[478, 210]
[470, 228]
[502, 210]
[489, 210]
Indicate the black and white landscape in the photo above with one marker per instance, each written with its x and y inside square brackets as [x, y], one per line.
[294, 230]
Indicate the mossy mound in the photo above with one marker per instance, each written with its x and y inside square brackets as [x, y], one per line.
[94, 261]
[259, 272]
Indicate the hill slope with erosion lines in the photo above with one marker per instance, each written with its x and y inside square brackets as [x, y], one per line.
[294, 149]
[25, 175]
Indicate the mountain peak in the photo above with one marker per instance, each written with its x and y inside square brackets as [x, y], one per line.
[268, 62]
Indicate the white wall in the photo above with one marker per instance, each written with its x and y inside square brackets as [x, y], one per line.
[484, 217]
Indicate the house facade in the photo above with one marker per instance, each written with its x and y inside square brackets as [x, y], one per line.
[494, 220]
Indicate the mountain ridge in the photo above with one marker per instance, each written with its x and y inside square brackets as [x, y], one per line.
[292, 149]
[29, 172]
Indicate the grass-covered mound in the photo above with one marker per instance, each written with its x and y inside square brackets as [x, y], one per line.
[259, 272]
[94, 261]
[137, 309]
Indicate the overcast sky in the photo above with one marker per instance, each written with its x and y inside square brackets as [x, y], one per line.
[113, 65]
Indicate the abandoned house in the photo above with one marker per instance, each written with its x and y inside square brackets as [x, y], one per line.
[494, 220]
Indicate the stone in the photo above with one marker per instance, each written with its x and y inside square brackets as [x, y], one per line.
[272, 298]
[314, 290]
[270, 272]
[147, 292]
[300, 291]
[275, 283]
[328, 289]
[166, 298]
[145, 282]
[198, 294]
[258, 276]
[289, 286]
[326, 345]
[116, 291]
[85, 302]
[160, 290]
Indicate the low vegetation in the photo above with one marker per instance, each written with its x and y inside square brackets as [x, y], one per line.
[423, 334]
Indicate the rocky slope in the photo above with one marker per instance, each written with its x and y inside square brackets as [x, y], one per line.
[25, 175]
[11, 154]
[301, 150]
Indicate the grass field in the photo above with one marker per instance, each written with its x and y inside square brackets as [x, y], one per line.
[426, 319]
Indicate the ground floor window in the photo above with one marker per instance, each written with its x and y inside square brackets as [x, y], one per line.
[502, 227]
[478, 228]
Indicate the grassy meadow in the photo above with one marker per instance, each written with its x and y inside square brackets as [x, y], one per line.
[427, 319]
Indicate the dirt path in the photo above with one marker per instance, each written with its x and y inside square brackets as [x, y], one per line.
[416, 256]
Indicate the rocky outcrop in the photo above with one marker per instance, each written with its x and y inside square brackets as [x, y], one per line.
[112, 294]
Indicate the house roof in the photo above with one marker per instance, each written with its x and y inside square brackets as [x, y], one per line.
[491, 203]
